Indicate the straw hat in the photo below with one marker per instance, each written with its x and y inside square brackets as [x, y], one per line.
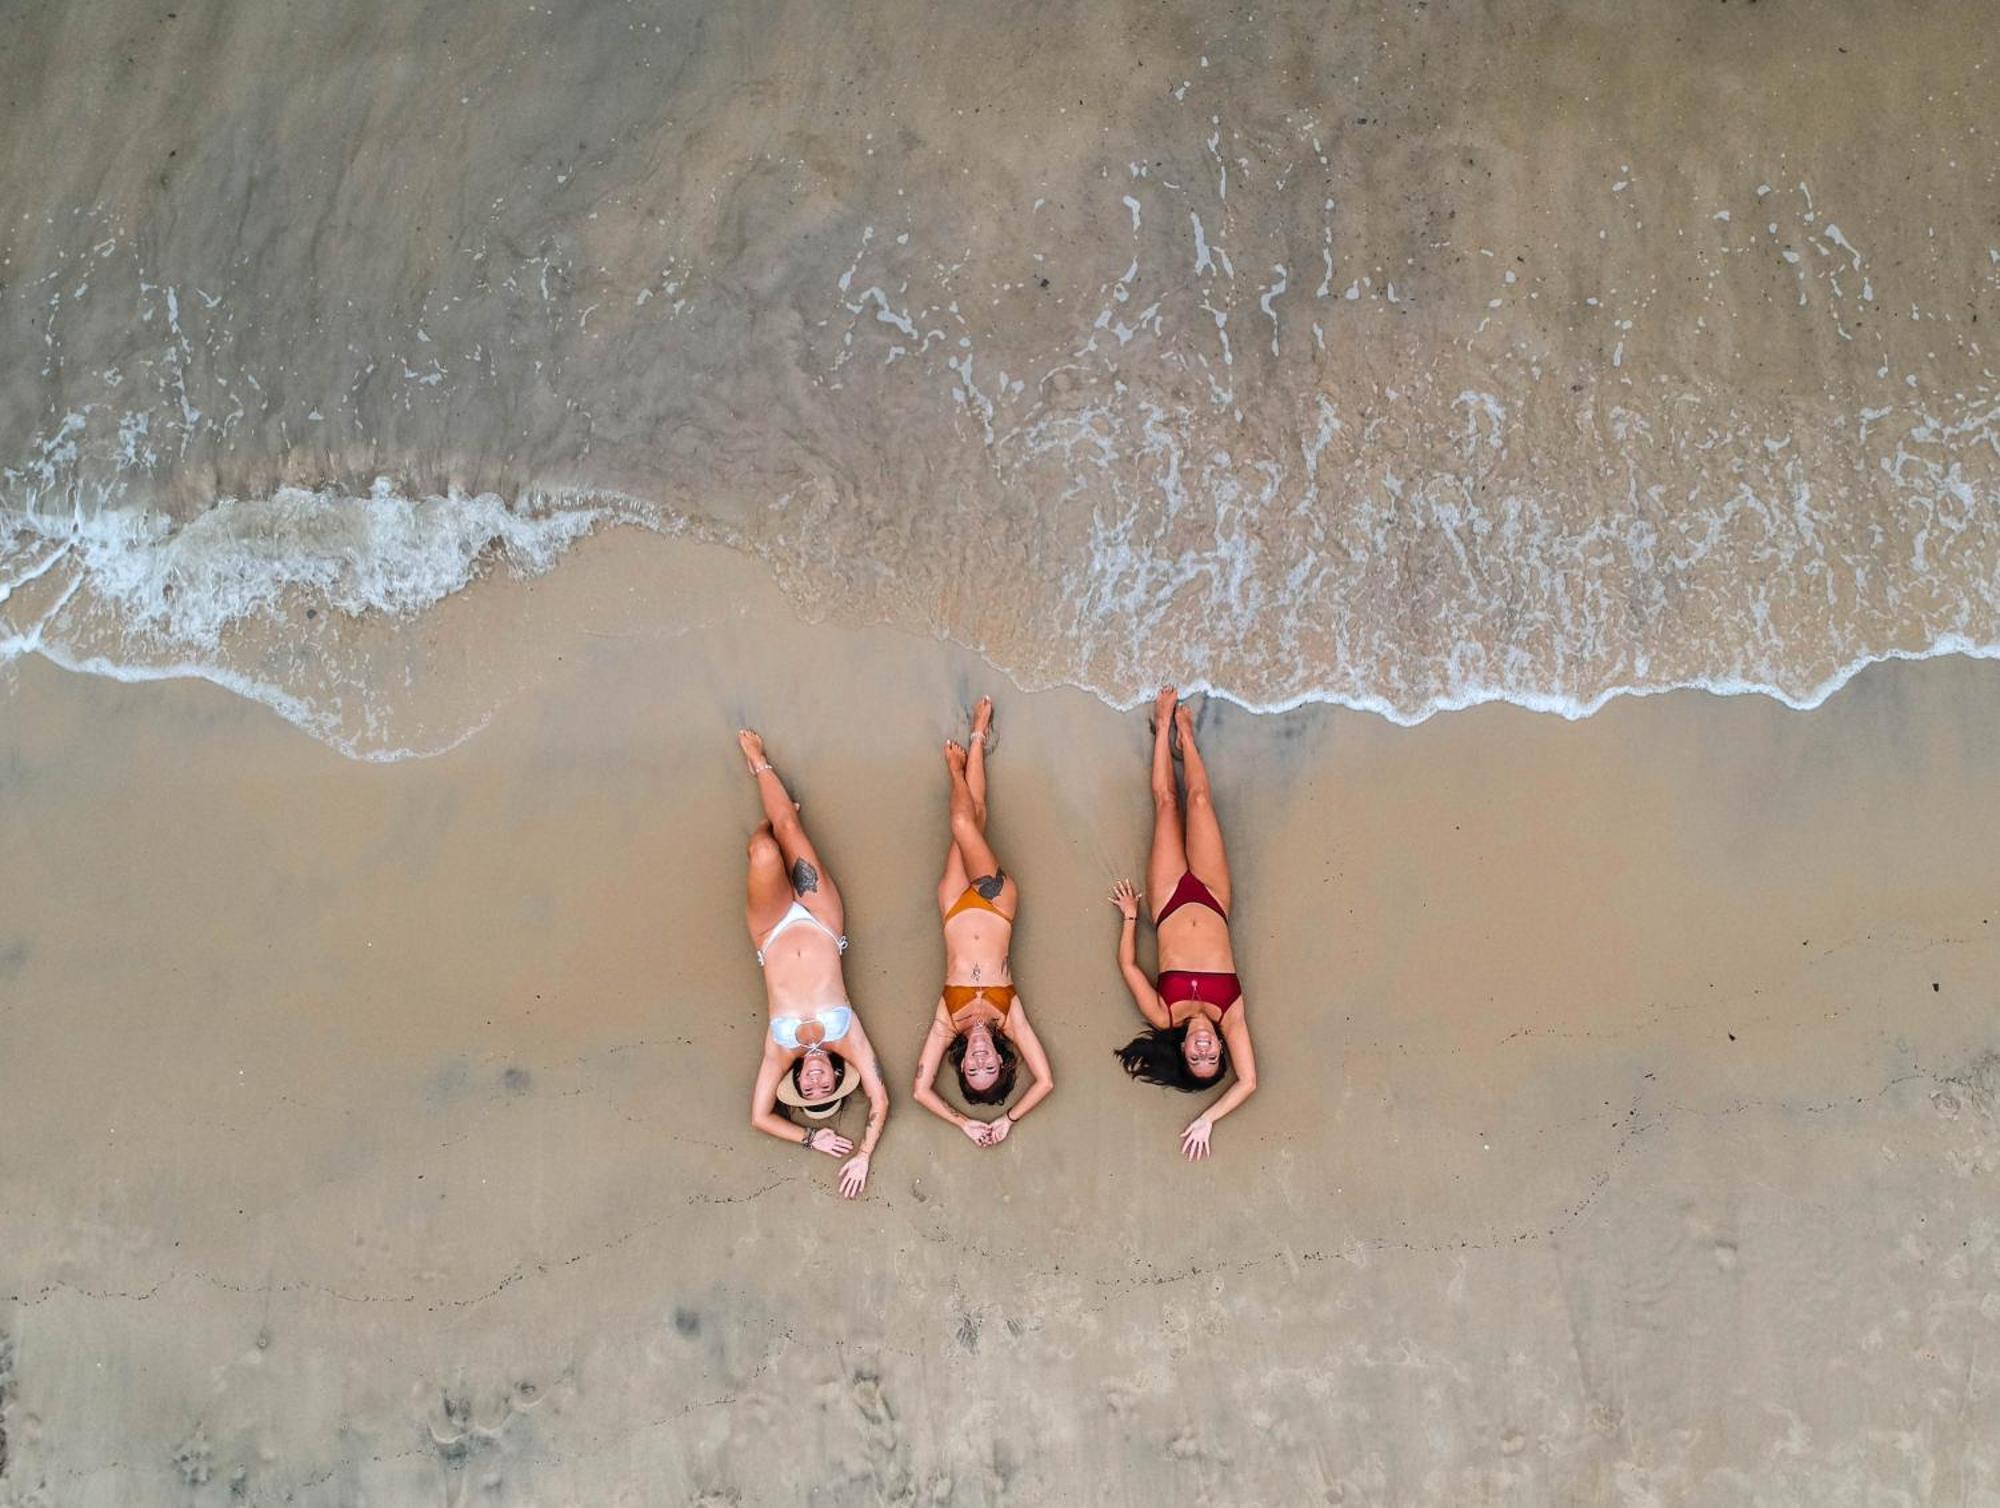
[819, 1110]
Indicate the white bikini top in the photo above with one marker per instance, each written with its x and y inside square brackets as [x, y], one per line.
[795, 1032]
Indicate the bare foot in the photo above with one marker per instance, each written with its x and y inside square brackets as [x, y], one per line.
[752, 745]
[1183, 727]
[954, 757]
[982, 722]
[1163, 709]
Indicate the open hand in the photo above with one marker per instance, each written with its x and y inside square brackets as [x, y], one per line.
[1126, 899]
[854, 1175]
[997, 1129]
[831, 1142]
[1194, 1140]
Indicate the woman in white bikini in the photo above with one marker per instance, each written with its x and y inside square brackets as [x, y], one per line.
[980, 1023]
[815, 1053]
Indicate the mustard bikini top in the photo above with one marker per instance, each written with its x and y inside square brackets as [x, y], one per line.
[958, 996]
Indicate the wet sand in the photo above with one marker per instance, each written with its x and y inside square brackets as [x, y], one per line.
[377, 1133]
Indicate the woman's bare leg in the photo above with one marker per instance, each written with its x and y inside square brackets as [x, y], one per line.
[975, 758]
[952, 885]
[968, 830]
[956, 875]
[1205, 853]
[804, 872]
[770, 890]
[1169, 857]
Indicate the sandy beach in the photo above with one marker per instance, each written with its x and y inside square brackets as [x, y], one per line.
[377, 1133]
[1555, 445]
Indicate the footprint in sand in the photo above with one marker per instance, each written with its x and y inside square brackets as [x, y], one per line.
[194, 1460]
[886, 1452]
[868, 1398]
[1119, 1397]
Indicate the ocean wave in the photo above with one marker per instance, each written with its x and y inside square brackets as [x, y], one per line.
[186, 584]
[126, 593]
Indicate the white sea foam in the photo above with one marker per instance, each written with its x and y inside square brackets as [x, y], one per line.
[125, 593]
[174, 595]
[1569, 708]
[385, 553]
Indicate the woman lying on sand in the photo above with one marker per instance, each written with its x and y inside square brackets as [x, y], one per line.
[980, 1023]
[1199, 1025]
[815, 1052]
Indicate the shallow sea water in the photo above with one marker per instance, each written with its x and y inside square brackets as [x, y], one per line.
[1405, 362]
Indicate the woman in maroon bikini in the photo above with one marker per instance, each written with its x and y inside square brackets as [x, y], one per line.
[1198, 1026]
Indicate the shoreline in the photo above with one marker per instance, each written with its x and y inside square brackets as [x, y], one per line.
[256, 627]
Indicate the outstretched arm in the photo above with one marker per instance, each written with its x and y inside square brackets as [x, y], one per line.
[936, 1041]
[1242, 1058]
[854, 1172]
[1021, 1032]
[765, 1117]
[1126, 899]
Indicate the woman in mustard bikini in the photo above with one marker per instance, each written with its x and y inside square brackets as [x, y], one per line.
[980, 1023]
[1198, 1025]
[815, 1052]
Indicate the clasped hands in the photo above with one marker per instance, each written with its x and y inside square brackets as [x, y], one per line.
[987, 1133]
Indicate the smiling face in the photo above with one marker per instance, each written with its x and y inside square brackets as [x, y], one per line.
[980, 1068]
[816, 1078]
[1202, 1048]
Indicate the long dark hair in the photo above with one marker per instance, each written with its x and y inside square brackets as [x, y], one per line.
[1154, 1057]
[839, 1070]
[996, 1093]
